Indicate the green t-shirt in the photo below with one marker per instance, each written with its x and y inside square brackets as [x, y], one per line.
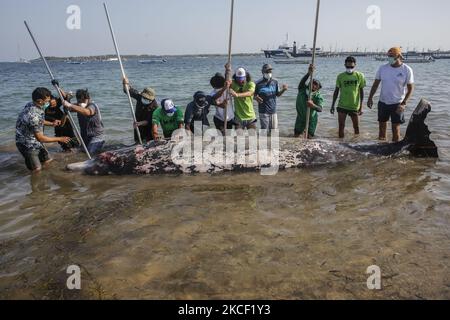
[350, 86]
[244, 106]
[168, 124]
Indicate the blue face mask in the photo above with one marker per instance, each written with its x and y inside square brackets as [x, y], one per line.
[146, 101]
[46, 105]
[392, 60]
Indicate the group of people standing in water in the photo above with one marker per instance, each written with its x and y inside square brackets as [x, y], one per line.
[236, 96]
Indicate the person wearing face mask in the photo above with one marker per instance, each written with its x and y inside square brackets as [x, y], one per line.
[30, 131]
[146, 104]
[242, 90]
[397, 86]
[315, 104]
[266, 93]
[55, 113]
[350, 87]
[197, 111]
[169, 117]
[90, 120]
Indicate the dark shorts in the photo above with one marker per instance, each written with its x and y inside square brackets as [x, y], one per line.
[246, 124]
[34, 158]
[347, 112]
[221, 124]
[389, 111]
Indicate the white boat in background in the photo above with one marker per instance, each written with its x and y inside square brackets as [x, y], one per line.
[289, 59]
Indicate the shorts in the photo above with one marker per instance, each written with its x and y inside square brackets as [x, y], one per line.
[268, 121]
[221, 124]
[351, 113]
[246, 124]
[34, 158]
[389, 111]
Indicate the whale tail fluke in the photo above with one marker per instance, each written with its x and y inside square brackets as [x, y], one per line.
[417, 136]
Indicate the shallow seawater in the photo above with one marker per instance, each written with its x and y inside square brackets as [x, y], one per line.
[301, 234]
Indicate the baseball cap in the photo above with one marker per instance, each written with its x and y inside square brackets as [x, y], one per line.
[169, 106]
[241, 74]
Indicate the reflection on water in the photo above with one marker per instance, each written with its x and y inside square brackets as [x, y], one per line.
[301, 234]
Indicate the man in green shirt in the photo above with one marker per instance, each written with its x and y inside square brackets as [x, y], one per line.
[169, 117]
[243, 89]
[303, 103]
[350, 85]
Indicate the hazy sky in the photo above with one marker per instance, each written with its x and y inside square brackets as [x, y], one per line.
[201, 26]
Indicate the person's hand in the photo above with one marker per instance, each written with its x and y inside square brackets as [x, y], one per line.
[55, 83]
[233, 93]
[65, 140]
[311, 68]
[228, 67]
[259, 99]
[157, 138]
[310, 104]
[66, 104]
[228, 84]
[57, 123]
[332, 110]
[125, 81]
[370, 103]
[360, 110]
[135, 125]
[284, 87]
[401, 108]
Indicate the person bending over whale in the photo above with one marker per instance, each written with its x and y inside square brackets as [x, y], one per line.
[90, 120]
[30, 131]
[197, 111]
[316, 105]
[146, 104]
[169, 117]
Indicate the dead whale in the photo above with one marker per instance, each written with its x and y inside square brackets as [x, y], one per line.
[169, 157]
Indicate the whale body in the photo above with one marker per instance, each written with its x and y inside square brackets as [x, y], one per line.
[157, 157]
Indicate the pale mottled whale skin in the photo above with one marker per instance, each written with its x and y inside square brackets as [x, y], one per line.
[156, 157]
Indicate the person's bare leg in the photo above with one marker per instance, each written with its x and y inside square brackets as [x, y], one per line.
[383, 133]
[341, 118]
[355, 120]
[395, 132]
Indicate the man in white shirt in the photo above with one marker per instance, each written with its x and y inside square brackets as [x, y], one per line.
[397, 87]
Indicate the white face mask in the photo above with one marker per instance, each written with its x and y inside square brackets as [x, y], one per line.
[83, 105]
[350, 70]
[267, 76]
[170, 114]
[145, 101]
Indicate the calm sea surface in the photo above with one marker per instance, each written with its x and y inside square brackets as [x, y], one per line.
[302, 234]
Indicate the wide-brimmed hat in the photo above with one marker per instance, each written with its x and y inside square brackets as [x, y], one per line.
[149, 94]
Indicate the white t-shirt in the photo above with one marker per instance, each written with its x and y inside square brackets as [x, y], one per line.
[220, 111]
[394, 82]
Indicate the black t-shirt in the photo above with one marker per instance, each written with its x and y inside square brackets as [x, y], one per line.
[52, 114]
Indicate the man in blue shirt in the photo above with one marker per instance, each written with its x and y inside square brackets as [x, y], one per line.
[266, 94]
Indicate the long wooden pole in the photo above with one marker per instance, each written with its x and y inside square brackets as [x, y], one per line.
[308, 111]
[69, 115]
[127, 89]
[228, 71]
